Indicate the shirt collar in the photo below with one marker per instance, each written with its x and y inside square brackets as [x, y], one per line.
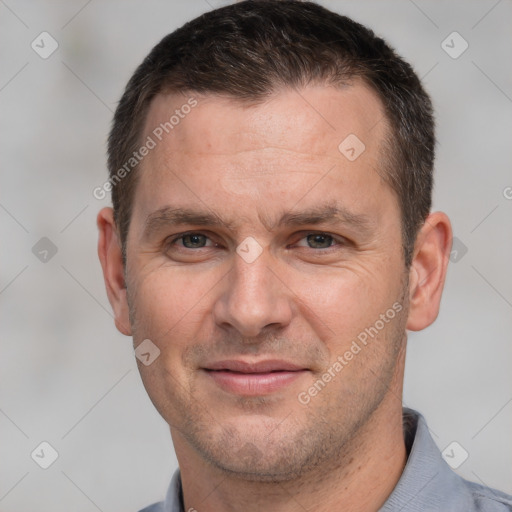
[427, 482]
[174, 497]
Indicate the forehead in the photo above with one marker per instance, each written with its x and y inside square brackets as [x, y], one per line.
[296, 119]
[211, 149]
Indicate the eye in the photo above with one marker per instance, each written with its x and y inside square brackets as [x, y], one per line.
[318, 241]
[191, 241]
[194, 240]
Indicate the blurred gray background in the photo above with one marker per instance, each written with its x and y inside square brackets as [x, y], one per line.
[70, 379]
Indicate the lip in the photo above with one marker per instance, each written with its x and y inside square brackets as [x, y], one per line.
[253, 379]
[266, 366]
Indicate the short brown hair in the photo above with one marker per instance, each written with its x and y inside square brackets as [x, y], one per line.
[246, 51]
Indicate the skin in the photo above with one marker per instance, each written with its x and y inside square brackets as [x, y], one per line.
[303, 300]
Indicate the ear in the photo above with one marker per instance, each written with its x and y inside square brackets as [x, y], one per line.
[109, 252]
[428, 271]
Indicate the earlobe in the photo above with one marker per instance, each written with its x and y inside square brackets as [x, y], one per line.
[428, 271]
[110, 255]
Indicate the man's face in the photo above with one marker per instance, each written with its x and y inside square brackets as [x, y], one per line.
[253, 302]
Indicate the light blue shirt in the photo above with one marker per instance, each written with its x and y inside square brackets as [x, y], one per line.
[427, 483]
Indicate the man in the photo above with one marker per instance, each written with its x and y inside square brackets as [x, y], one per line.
[269, 245]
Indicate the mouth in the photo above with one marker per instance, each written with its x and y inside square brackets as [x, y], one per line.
[253, 379]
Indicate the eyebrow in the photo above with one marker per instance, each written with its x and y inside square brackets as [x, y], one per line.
[332, 213]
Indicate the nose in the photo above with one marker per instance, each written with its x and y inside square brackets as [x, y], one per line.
[254, 298]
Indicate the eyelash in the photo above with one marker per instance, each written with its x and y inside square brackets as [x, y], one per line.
[336, 240]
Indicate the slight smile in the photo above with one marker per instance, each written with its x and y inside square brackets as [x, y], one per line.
[253, 379]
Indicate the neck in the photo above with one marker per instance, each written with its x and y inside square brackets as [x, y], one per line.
[363, 483]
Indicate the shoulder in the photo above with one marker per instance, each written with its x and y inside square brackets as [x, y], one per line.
[156, 507]
[487, 499]
[173, 499]
[428, 483]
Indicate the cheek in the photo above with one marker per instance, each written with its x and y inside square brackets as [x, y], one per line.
[362, 321]
[341, 304]
[168, 305]
[169, 308]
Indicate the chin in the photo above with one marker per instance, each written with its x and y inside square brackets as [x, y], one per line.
[263, 471]
[250, 455]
